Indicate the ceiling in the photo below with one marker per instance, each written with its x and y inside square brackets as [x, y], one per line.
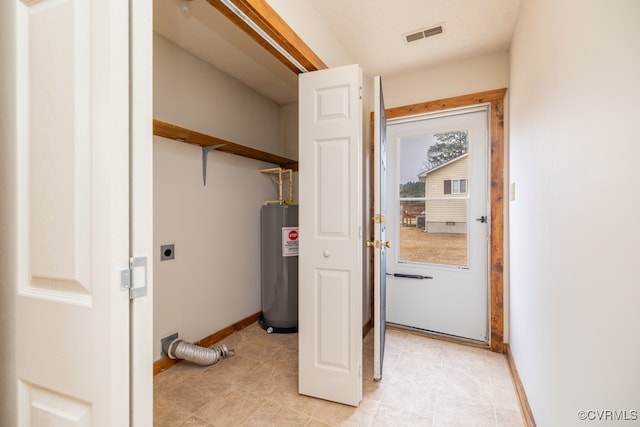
[371, 31]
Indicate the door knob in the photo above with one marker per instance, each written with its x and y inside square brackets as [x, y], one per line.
[482, 219]
[369, 243]
[386, 244]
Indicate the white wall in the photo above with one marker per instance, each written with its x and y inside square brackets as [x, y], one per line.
[472, 75]
[575, 318]
[214, 280]
[289, 130]
[195, 95]
[313, 29]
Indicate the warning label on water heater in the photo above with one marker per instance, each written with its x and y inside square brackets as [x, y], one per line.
[289, 241]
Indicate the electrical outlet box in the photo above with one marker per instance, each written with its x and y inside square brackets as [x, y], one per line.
[167, 252]
[165, 343]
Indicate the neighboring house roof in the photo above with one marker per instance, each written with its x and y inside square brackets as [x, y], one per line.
[423, 175]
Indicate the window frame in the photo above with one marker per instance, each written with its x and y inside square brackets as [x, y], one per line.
[449, 185]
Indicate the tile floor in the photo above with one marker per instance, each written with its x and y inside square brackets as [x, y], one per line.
[426, 382]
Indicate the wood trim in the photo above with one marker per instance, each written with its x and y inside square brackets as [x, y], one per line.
[367, 327]
[527, 414]
[163, 364]
[272, 24]
[166, 363]
[168, 130]
[497, 225]
[496, 100]
[446, 103]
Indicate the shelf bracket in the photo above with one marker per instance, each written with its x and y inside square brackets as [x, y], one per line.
[205, 151]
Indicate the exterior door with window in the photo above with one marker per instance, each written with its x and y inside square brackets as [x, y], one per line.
[438, 208]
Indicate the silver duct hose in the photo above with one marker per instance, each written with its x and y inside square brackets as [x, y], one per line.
[179, 349]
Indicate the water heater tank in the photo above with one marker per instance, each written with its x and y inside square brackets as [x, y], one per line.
[279, 244]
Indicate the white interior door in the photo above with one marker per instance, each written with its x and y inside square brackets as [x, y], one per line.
[141, 240]
[72, 318]
[330, 260]
[438, 208]
[380, 242]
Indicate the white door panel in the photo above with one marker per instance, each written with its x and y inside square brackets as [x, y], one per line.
[72, 336]
[380, 226]
[330, 260]
[450, 295]
[141, 241]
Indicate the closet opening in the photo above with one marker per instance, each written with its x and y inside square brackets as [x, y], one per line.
[224, 109]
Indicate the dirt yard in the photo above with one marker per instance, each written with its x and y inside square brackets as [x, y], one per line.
[439, 248]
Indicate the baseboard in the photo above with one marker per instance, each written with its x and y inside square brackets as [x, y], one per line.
[527, 415]
[166, 363]
[366, 328]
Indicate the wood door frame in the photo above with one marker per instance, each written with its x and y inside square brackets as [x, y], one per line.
[272, 24]
[495, 99]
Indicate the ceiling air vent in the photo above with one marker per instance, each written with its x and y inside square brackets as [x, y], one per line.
[423, 34]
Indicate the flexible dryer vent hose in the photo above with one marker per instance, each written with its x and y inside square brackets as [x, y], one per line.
[179, 349]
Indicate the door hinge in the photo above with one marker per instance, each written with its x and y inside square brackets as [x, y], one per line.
[130, 277]
[379, 218]
[360, 92]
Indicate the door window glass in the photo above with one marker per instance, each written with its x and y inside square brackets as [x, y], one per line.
[433, 198]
